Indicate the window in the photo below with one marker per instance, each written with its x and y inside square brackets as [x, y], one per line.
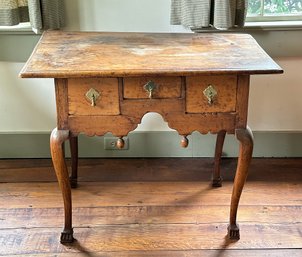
[274, 10]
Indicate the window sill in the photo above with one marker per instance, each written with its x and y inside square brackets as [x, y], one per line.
[25, 28]
[22, 28]
[274, 25]
[258, 26]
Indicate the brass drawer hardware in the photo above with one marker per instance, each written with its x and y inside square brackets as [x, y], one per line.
[150, 87]
[92, 95]
[210, 93]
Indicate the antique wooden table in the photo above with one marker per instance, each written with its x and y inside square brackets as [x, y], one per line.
[106, 82]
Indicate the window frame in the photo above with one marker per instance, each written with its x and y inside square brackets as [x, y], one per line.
[271, 18]
[21, 28]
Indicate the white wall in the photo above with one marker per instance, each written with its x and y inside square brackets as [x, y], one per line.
[28, 104]
[275, 100]
[119, 15]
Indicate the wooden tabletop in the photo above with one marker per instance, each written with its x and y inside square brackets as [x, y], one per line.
[62, 54]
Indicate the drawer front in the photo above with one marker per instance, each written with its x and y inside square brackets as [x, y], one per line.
[162, 87]
[211, 93]
[93, 96]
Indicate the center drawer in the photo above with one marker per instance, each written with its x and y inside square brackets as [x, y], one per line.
[161, 87]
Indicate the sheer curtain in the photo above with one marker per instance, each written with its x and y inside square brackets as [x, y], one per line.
[42, 14]
[220, 14]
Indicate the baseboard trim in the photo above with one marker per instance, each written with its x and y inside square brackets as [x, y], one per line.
[153, 144]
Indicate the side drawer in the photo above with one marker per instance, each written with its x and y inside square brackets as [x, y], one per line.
[106, 103]
[164, 87]
[223, 89]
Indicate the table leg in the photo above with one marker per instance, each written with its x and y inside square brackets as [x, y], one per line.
[245, 138]
[57, 139]
[217, 179]
[73, 142]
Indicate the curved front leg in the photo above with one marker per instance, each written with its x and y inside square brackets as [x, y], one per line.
[217, 179]
[245, 136]
[57, 139]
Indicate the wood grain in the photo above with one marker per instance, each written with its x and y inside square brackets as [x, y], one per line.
[142, 214]
[57, 139]
[217, 179]
[166, 87]
[61, 103]
[99, 194]
[92, 216]
[276, 170]
[224, 101]
[242, 101]
[140, 54]
[106, 104]
[245, 137]
[137, 237]
[83, 252]
[186, 64]
[73, 145]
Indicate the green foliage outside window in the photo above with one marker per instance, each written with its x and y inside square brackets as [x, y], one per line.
[274, 7]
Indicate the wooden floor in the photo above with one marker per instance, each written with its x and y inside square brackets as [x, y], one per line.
[151, 207]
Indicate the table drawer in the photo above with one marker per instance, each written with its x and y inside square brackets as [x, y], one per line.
[164, 87]
[211, 93]
[93, 96]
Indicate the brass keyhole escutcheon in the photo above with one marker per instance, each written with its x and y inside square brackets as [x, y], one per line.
[210, 93]
[150, 87]
[92, 95]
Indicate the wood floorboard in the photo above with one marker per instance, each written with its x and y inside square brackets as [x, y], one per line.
[119, 215]
[153, 169]
[97, 194]
[151, 207]
[138, 237]
[191, 253]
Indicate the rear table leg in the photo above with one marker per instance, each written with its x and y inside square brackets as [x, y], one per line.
[73, 141]
[217, 179]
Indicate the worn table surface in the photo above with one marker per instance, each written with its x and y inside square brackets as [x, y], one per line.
[86, 54]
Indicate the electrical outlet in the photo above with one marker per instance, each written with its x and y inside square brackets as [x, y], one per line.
[110, 143]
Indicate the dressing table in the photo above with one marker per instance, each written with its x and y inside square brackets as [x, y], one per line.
[106, 82]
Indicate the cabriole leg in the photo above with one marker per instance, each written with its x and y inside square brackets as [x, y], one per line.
[217, 179]
[73, 142]
[57, 139]
[245, 138]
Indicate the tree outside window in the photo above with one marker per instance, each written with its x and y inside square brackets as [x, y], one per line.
[274, 9]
